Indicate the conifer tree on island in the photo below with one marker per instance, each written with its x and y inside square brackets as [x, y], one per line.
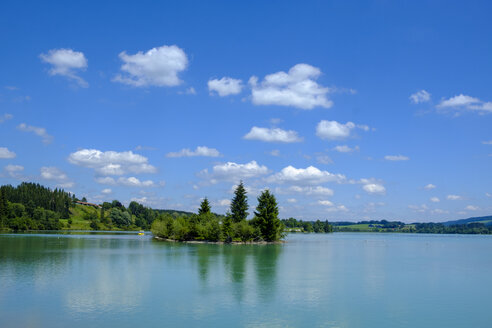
[239, 204]
[266, 217]
[204, 207]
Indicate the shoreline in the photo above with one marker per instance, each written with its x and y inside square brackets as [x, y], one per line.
[220, 242]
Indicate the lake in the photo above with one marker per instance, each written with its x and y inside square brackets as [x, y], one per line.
[313, 280]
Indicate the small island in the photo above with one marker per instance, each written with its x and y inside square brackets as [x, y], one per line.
[265, 227]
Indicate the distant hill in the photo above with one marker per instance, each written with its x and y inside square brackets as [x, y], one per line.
[487, 220]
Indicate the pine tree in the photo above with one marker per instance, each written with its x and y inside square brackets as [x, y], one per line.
[239, 204]
[3, 208]
[204, 207]
[266, 217]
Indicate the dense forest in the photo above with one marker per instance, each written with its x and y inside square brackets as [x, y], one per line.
[293, 225]
[233, 227]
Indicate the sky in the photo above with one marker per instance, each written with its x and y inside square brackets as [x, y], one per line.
[362, 110]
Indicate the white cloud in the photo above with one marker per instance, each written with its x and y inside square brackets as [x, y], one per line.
[224, 202]
[5, 117]
[374, 188]
[454, 197]
[487, 142]
[14, 171]
[435, 200]
[460, 100]
[125, 181]
[430, 186]
[275, 152]
[272, 135]
[345, 149]
[292, 200]
[297, 88]
[488, 195]
[464, 102]
[111, 162]
[5, 153]
[55, 174]
[333, 130]
[472, 208]
[420, 97]
[225, 86]
[325, 202]
[231, 171]
[396, 158]
[308, 176]
[41, 132]
[316, 190]
[106, 191]
[66, 62]
[199, 151]
[157, 67]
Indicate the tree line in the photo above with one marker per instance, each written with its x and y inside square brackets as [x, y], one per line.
[30, 206]
[307, 226]
[233, 227]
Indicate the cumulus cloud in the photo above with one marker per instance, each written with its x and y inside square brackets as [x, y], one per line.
[199, 151]
[234, 172]
[40, 132]
[272, 135]
[5, 153]
[223, 202]
[55, 174]
[308, 176]
[125, 181]
[420, 97]
[488, 194]
[292, 200]
[430, 186]
[297, 88]
[454, 197]
[5, 117]
[435, 200]
[106, 191]
[333, 130]
[374, 188]
[325, 202]
[345, 149]
[157, 67]
[14, 171]
[472, 208]
[111, 162]
[275, 152]
[396, 158]
[463, 102]
[309, 190]
[67, 63]
[225, 86]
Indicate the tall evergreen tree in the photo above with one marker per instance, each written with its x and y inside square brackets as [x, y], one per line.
[204, 207]
[239, 204]
[3, 208]
[266, 217]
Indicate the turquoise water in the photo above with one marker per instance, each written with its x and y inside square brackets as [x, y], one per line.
[335, 280]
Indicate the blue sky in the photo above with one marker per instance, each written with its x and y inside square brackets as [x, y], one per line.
[346, 111]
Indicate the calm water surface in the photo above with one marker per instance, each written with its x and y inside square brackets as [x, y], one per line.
[335, 280]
